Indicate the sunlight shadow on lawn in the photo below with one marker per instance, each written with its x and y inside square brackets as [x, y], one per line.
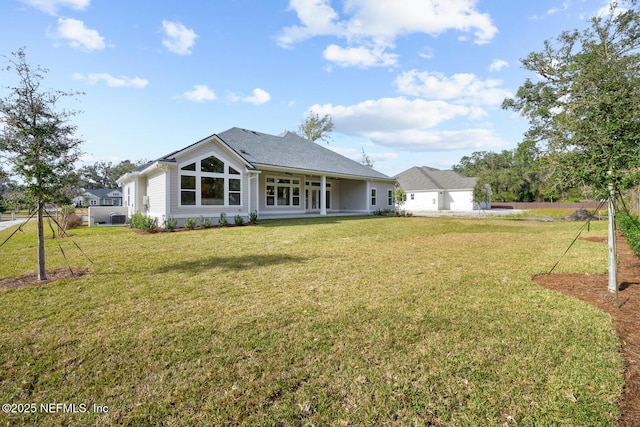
[244, 262]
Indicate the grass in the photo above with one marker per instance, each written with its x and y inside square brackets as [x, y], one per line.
[331, 321]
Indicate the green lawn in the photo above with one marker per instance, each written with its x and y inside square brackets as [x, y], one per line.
[333, 321]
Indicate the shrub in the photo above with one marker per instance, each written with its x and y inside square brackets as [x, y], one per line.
[223, 220]
[253, 217]
[71, 221]
[170, 223]
[143, 222]
[190, 222]
[238, 220]
[630, 228]
[205, 222]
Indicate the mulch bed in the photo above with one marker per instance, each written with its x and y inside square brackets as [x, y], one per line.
[591, 288]
[32, 279]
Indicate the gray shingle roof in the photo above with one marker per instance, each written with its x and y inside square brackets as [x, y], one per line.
[425, 179]
[288, 151]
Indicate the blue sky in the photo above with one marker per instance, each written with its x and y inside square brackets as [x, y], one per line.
[410, 82]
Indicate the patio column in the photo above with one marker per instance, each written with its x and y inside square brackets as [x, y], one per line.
[323, 195]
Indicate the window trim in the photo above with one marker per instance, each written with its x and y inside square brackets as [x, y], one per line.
[199, 175]
[272, 186]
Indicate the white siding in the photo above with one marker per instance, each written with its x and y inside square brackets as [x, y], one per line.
[157, 194]
[421, 201]
[460, 200]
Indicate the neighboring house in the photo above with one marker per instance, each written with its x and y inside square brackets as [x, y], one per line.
[99, 197]
[239, 171]
[430, 189]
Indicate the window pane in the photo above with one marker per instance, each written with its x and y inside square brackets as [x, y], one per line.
[188, 197]
[187, 182]
[234, 185]
[234, 198]
[212, 164]
[283, 196]
[233, 171]
[212, 191]
[191, 167]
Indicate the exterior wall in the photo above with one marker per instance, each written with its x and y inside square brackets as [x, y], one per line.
[128, 197]
[353, 196]
[459, 200]
[421, 201]
[439, 200]
[101, 215]
[156, 195]
[382, 190]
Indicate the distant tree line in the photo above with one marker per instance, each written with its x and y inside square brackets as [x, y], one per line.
[15, 196]
[524, 174]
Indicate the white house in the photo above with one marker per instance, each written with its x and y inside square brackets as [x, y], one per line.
[430, 189]
[99, 197]
[241, 171]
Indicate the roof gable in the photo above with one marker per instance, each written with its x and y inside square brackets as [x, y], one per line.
[425, 178]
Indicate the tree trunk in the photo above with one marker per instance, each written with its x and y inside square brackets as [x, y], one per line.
[42, 273]
[613, 259]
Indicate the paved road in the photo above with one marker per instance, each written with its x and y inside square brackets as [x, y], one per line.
[7, 224]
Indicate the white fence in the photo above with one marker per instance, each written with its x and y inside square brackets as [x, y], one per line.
[106, 215]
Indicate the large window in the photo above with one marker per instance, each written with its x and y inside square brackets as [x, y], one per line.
[282, 191]
[210, 182]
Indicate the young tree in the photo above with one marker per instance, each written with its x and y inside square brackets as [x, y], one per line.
[585, 106]
[37, 141]
[315, 128]
[366, 160]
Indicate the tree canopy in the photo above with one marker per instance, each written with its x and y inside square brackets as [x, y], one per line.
[316, 128]
[104, 174]
[38, 141]
[584, 106]
[517, 175]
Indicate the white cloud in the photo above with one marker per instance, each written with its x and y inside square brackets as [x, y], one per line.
[359, 56]
[463, 88]
[317, 18]
[259, 97]
[111, 81]
[79, 36]
[200, 93]
[179, 39]
[382, 21]
[391, 115]
[426, 140]
[51, 6]
[413, 124]
[498, 64]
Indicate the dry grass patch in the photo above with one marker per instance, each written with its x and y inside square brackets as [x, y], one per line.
[350, 321]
